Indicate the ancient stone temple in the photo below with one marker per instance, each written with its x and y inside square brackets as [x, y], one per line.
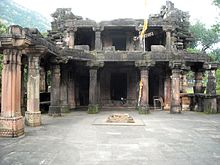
[98, 65]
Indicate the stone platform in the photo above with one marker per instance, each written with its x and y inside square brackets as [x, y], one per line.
[165, 139]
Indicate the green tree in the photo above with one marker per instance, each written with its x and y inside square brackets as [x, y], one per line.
[217, 25]
[204, 37]
[217, 3]
[3, 28]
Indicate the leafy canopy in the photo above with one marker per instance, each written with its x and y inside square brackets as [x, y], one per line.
[3, 28]
[204, 37]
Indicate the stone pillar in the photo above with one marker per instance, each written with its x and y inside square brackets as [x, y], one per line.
[43, 86]
[63, 91]
[33, 114]
[175, 91]
[168, 40]
[93, 86]
[98, 40]
[11, 121]
[23, 103]
[54, 109]
[167, 90]
[71, 41]
[144, 101]
[184, 81]
[71, 91]
[211, 84]
[198, 87]
[168, 30]
[93, 104]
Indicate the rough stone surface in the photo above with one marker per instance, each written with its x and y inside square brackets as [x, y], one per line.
[190, 138]
[120, 118]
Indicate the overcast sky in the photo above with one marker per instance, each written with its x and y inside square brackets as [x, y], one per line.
[98, 10]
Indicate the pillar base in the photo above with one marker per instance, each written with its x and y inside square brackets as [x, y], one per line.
[143, 109]
[33, 119]
[54, 111]
[166, 107]
[73, 106]
[175, 109]
[64, 109]
[93, 108]
[11, 127]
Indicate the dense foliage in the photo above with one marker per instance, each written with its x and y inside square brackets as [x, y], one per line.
[204, 37]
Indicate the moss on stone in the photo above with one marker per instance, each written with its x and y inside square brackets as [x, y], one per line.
[93, 109]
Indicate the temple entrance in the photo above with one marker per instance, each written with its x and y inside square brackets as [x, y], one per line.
[118, 86]
[84, 90]
[156, 82]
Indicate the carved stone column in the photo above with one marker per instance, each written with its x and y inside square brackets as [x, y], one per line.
[93, 105]
[23, 89]
[71, 41]
[144, 103]
[43, 86]
[211, 84]
[168, 30]
[71, 91]
[175, 88]
[184, 82]
[98, 40]
[93, 86]
[198, 87]
[54, 109]
[167, 92]
[33, 114]
[11, 121]
[63, 91]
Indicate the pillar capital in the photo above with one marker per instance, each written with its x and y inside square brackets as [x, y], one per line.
[98, 28]
[143, 65]
[168, 28]
[95, 64]
[213, 66]
[175, 65]
[12, 56]
[72, 29]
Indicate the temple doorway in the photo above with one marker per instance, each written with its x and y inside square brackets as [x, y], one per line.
[118, 86]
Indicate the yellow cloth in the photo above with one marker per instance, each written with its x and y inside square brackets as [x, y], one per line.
[140, 92]
[144, 28]
[145, 22]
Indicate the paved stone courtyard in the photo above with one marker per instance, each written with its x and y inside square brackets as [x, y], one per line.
[189, 138]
